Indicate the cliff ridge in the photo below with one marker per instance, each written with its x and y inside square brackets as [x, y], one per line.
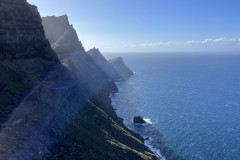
[120, 67]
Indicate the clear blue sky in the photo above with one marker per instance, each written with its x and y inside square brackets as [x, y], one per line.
[135, 25]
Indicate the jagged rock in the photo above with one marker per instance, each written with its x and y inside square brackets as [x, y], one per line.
[139, 120]
[62, 35]
[21, 32]
[55, 27]
[115, 68]
[103, 63]
[120, 67]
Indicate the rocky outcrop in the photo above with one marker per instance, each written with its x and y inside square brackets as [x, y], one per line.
[100, 60]
[55, 27]
[138, 120]
[21, 32]
[61, 34]
[120, 67]
[115, 68]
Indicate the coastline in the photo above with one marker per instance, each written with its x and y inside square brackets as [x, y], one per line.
[156, 151]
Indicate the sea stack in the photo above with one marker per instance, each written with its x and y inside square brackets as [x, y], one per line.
[139, 120]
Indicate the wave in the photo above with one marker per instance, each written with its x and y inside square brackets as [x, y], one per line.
[148, 120]
[154, 150]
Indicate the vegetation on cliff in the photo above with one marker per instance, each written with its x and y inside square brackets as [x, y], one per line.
[25, 54]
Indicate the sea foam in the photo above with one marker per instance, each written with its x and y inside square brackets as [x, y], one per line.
[148, 120]
[154, 150]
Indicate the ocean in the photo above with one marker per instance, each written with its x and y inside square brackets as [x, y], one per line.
[190, 101]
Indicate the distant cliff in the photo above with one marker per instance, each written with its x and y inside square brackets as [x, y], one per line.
[115, 68]
[68, 113]
[100, 60]
[120, 67]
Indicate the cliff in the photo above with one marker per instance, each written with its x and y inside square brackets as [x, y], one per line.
[62, 36]
[100, 60]
[68, 113]
[25, 53]
[120, 67]
[96, 132]
[116, 68]
[21, 32]
[55, 27]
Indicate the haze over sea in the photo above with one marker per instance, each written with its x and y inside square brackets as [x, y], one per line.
[192, 101]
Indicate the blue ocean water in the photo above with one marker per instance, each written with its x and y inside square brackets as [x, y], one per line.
[192, 101]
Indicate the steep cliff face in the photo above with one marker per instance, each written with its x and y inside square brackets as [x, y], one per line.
[96, 132]
[21, 32]
[100, 60]
[120, 67]
[25, 53]
[115, 68]
[61, 34]
[55, 27]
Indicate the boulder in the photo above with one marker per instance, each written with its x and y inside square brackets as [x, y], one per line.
[139, 120]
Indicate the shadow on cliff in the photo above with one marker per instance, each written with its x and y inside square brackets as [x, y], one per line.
[44, 112]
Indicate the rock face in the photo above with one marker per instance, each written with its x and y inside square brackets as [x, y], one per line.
[100, 60]
[62, 36]
[138, 120]
[21, 32]
[120, 67]
[25, 53]
[55, 27]
[115, 68]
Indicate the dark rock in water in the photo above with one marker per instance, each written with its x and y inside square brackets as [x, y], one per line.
[21, 32]
[120, 67]
[147, 139]
[138, 120]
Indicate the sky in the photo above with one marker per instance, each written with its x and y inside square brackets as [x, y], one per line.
[151, 25]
